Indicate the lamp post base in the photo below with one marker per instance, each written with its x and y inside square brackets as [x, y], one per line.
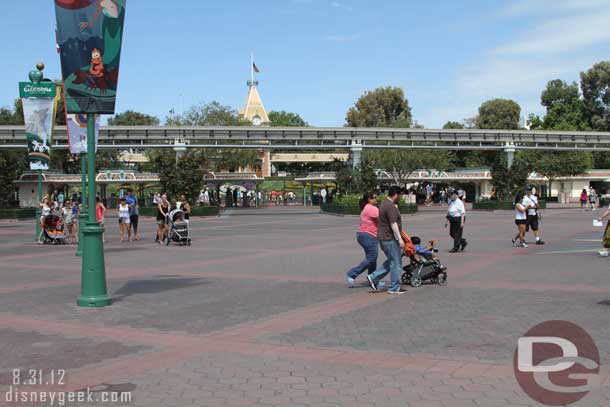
[93, 287]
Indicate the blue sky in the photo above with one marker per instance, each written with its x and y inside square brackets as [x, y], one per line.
[317, 57]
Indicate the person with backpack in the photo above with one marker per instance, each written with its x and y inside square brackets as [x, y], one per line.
[390, 239]
[366, 237]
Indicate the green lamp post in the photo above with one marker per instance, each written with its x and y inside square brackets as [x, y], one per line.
[94, 292]
[82, 214]
[90, 71]
[37, 96]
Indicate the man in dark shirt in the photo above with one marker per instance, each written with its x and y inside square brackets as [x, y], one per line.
[388, 234]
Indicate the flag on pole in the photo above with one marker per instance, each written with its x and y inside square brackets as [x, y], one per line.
[255, 67]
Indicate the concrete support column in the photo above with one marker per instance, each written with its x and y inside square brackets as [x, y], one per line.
[356, 152]
[266, 164]
[509, 149]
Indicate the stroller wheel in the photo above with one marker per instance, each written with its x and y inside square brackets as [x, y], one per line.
[188, 242]
[405, 278]
[415, 281]
[166, 241]
[442, 279]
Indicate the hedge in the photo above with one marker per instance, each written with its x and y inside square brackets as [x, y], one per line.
[604, 202]
[500, 205]
[17, 213]
[195, 211]
[355, 210]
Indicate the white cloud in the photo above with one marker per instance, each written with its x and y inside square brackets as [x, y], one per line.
[561, 35]
[341, 6]
[562, 43]
[524, 7]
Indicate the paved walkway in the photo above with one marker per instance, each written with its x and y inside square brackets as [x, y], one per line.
[257, 313]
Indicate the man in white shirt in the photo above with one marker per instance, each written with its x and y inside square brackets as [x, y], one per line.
[531, 200]
[456, 216]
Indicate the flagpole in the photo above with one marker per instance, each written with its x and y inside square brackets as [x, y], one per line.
[252, 68]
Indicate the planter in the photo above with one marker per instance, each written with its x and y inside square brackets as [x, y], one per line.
[355, 209]
[17, 213]
[500, 205]
[195, 211]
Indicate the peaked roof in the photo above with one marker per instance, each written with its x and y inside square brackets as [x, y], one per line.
[254, 106]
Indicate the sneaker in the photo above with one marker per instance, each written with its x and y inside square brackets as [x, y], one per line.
[513, 240]
[463, 246]
[603, 253]
[453, 251]
[350, 282]
[371, 282]
[523, 244]
[399, 291]
[380, 284]
[539, 242]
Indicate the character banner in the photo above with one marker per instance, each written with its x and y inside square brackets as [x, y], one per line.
[89, 34]
[38, 116]
[76, 125]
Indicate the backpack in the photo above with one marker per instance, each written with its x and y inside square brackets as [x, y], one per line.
[409, 246]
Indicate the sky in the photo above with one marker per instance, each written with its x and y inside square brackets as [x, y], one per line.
[316, 57]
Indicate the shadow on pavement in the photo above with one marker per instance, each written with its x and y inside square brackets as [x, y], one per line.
[156, 285]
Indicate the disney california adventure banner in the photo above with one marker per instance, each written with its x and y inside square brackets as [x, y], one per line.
[89, 34]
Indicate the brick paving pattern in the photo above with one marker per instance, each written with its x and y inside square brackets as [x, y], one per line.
[257, 313]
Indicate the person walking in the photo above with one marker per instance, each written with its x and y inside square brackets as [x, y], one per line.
[186, 208]
[100, 210]
[45, 211]
[520, 219]
[592, 198]
[606, 238]
[390, 240]
[533, 216]
[584, 199]
[456, 216]
[134, 212]
[122, 212]
[68, 220]
[162, 213]
[366, 237]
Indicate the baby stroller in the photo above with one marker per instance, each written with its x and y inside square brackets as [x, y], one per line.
[53, 231]
[178, 229]
[421, 267]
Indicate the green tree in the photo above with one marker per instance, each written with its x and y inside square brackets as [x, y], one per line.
[381, 107]
[453, 125]
[502, 114]
[565, 110]
[12, 162]
[182, 176]
[555, 164]
[595, 85]
[403, 163]
[208, 114]
[132, 118]
[286, 119]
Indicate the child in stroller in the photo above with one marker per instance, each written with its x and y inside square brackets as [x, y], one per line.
[53, 230]
[178, 230]
[424, 264]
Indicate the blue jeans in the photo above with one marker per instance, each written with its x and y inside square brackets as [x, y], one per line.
[392, 265]
[371, 250]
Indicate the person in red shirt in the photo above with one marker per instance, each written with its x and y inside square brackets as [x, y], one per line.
[366, 237]
[100, 209]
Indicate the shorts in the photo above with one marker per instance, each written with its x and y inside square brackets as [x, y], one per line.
[583, 201]
[124, 220]
[134, 220]
[520, 222]
[160, 222]
[532, 222]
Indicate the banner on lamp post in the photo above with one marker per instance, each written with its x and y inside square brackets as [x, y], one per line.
[38, 116]
[76, 125]
[89, 34]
